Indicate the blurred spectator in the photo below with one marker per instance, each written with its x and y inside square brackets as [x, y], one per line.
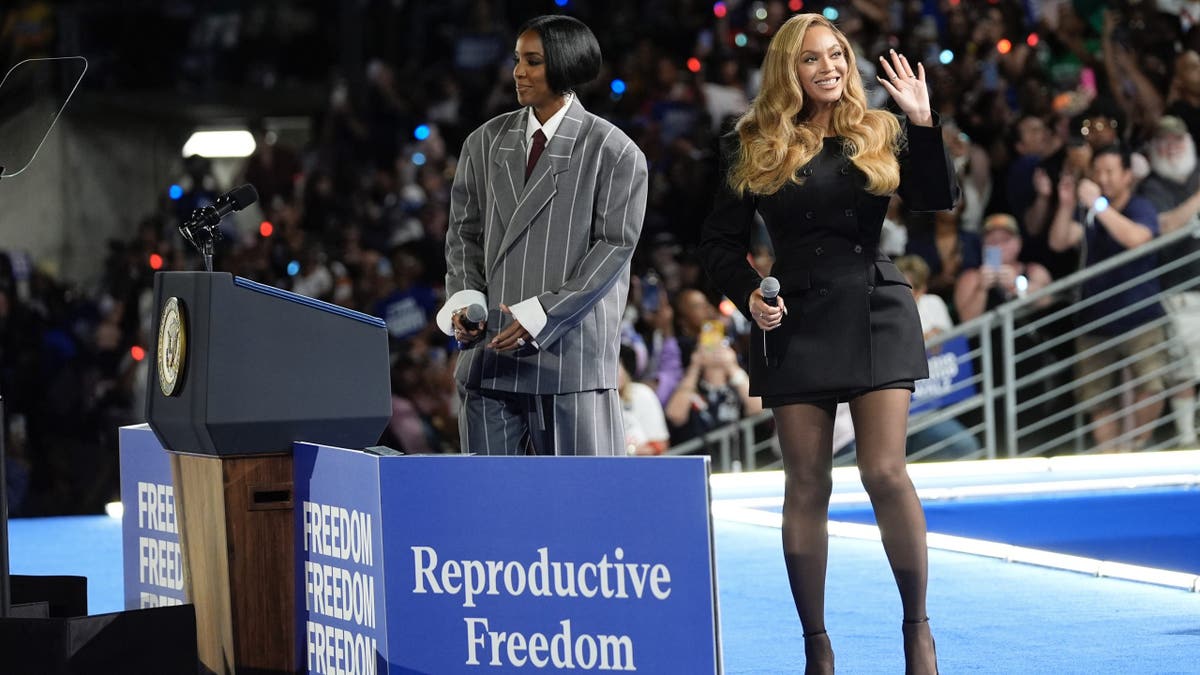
[950, 435]
[408, 430]
[714, 392]
[974, 170]
[1118, 220]
[1002, 276]
[645, 426]
[1139, 99]
[1183, 98]
[945, 247]
[1100, 126]
[1173, 187]
[1033, 141]
[692, 311]
[408, 304]
[1074, 158]
[725, 98]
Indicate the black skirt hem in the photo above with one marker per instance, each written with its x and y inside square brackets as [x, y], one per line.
[776, 401]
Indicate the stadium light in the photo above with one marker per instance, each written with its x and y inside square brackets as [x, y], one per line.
[220, 143]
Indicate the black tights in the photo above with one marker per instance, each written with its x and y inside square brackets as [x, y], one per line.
[806, 438]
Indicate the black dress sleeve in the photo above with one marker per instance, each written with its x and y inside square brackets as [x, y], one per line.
[725, 237]
[927, 178]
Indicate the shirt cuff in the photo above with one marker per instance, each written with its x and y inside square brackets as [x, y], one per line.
[531, 315]
[456, 302]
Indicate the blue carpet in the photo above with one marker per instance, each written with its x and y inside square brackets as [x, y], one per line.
[989, 616]
[1155, 527]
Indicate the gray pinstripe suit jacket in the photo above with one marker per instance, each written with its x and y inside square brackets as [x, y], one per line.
[566, 236]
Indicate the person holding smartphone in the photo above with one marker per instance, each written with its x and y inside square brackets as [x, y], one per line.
[1002, 277]
[714, 390]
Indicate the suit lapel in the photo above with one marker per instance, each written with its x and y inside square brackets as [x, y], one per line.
[510, 158]
[543, 182]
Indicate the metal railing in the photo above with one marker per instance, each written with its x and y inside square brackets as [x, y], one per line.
[1022, 397]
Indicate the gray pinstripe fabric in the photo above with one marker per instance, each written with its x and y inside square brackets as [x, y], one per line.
[566, 236]
[577, 423]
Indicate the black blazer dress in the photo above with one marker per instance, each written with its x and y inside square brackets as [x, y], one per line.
[852, 325]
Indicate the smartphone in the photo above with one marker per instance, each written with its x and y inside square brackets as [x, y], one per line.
[992, 256]
[650, 293]
[712, 333]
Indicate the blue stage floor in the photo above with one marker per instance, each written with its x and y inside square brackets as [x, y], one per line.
[989, 615]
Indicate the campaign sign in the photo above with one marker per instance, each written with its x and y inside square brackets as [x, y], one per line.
[152, 558]
[949, 367]
[504, 564]
[341, 611]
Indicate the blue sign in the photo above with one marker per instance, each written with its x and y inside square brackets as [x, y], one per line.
[341, 610]
[152, 558]
[949, 374]
[437, 564]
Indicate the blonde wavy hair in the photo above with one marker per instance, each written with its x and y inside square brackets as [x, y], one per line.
[777, 139]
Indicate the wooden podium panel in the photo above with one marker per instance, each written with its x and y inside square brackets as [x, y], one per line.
[236, 529]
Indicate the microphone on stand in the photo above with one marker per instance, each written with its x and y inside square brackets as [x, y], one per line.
[200, 229]
[235, 200]
[770, 295]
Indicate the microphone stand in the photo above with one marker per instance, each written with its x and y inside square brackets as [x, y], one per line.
[201, 231]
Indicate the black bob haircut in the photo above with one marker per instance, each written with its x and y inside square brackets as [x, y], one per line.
[572, 52]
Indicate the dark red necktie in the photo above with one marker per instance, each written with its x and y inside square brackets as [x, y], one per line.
[535, 151]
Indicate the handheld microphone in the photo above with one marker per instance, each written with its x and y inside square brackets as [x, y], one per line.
[770, 291]
[770, 294]
[476, 314]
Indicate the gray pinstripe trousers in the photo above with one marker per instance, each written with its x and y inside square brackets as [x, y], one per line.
[493, 422]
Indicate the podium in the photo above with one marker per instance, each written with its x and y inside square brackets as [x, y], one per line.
[241, 371]
[410, 564]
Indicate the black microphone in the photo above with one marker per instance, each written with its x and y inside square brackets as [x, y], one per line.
[235, 200]
[200, 229]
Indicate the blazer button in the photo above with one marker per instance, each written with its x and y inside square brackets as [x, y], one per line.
[857, 248]
[849, 213]
[824, 291]
[819, 251]
[809, 215]
[807, 171]
[845, 170]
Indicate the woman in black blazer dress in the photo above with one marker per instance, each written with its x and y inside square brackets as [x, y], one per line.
[819, 167]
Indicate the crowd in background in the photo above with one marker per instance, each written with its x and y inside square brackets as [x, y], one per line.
[358, 213]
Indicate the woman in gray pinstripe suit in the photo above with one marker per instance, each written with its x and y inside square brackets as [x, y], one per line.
[545, 211]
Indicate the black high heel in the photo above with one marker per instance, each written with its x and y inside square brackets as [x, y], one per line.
[812, 662]
[913, 623]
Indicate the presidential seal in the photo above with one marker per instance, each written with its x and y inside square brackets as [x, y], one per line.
[172, 346]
